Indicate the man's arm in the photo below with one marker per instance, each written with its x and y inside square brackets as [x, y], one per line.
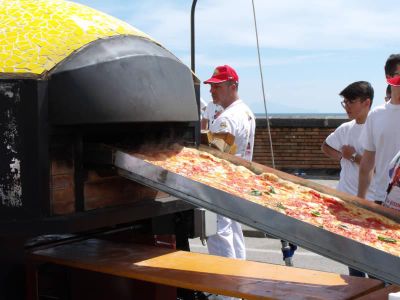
[331, 152]
[367, 165]
[204, 123]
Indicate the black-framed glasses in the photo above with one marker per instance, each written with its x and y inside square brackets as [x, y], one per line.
[348, 101]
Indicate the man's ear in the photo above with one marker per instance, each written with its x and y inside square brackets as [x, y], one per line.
[233, 86]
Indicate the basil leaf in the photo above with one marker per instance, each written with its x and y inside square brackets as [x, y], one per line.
[387, 239]
[315, 213]
[272, 190]
[255, 193]
[281, 206]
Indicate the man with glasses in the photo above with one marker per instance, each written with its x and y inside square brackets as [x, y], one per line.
[343, 144]
[380, 137]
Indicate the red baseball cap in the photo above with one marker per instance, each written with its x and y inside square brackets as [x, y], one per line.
[395, 80]
[222, 74]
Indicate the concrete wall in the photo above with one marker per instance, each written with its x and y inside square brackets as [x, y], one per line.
[296, 144]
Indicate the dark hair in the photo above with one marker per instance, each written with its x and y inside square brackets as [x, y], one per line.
[389, 90]
[358, 89]
[391, 64]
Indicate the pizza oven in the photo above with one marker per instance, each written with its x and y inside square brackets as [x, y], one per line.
[124, 90]
[118, 88]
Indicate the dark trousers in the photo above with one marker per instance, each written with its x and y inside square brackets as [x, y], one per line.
[357, 273]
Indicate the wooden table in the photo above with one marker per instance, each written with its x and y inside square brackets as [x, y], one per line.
[201, 272]
[381, 294]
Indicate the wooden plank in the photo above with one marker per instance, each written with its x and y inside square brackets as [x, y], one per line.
[381, 294]
[218, 275]
[62, 194]
[114, 190]
[99, 191]
[62, 166]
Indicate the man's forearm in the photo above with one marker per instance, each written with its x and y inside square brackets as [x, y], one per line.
[331, 152]
[367, 165]
[364, 181]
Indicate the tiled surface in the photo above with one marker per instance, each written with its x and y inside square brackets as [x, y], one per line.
[35, 35]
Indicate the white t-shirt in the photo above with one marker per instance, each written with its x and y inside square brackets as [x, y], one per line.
[238, 120]
[381, 134]
[393, 197]
[348, 134]
[212, 112]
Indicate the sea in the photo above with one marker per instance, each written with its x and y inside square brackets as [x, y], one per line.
[303, 115]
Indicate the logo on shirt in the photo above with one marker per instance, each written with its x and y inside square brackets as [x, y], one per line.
[216, 113]
[223, 125]
[249, 117]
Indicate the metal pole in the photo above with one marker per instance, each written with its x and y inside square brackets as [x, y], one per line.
[193, 67]
[192, 37]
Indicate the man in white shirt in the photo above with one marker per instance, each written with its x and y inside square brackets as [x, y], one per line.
[237, 119]
[380, 137]
[343, 144]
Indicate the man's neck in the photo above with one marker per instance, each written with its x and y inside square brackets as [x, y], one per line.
[361, 119]
[395, 101]
[229, 103]
[395, 95]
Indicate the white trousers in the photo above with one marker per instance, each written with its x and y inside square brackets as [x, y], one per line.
[228, 241]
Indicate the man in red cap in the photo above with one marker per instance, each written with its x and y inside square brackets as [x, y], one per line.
[238, 120]
[380, 136]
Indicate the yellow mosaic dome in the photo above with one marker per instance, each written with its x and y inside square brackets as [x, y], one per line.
[36, 35]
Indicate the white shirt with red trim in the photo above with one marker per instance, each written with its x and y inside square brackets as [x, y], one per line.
[238, 120]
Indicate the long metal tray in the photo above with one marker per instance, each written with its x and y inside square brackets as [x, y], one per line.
[357, 255]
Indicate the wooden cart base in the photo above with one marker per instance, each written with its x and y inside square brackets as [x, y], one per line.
[168, 269]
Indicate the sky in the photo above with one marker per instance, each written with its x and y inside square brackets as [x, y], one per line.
[310, 50]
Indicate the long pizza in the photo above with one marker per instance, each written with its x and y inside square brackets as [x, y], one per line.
[294, 200]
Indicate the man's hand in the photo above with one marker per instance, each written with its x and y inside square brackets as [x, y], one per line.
[347, 151]
[204, 124]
